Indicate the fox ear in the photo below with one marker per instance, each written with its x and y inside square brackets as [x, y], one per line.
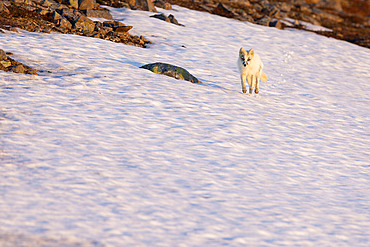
[251, 52]
[242, 50]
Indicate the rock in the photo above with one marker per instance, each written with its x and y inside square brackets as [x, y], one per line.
[3, 8]
[18, 69]
[73, 3]
[98, 14]
[86, 4]
[2, 54]
[171, 70]
[162, 4]
[170, 18]
[162, 17]
[276, 23]
[223, 11]
[173, 20]
[264, 21]
[329, 4]
[271, 11]
[64, 23]
[146, 5]
[84, 24]
[122, 29]
[5, 63]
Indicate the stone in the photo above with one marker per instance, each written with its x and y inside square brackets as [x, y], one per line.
[264, 21]
[18, 69]
[124, 29]
[329, 4]
[162, 17]
[223, 11]
[73, 3]
[84, 24]
[276, 23]
[2, 54]
[98, 14]
[86, 4]
[171, 70]
[173, 20]
[64, 23]
[146, 5]
[5, 63]
[162, 4]
[43, 11]
[3, 8]
[170, 18]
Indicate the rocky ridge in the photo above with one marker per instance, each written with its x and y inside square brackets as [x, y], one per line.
[65, 16]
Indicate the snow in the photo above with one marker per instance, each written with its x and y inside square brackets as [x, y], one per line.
[99, 151]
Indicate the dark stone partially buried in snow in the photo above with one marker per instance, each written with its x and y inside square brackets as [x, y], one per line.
[171, 70]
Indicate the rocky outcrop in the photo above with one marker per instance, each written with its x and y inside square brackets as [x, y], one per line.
[9, 64]
[65, 16]
[171, 70]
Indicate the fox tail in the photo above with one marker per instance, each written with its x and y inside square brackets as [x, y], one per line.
[264, 77]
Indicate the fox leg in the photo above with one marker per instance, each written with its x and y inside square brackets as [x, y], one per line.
[250, 82]
[244, 88]
[256, 90]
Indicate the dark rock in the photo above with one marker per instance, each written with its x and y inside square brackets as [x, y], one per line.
[162, 17]
[171, 70]
[173, 20]
[223, 11]
[170, 18]
[276, 23]
[98, 14]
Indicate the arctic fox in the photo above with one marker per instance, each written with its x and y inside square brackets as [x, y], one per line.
[250, 67]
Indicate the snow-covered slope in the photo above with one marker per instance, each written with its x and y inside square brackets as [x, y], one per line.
[105, 153]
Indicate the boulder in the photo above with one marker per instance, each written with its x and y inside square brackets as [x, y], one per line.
[98, 14]
[86, 4]
[84, 24]
[171, 70]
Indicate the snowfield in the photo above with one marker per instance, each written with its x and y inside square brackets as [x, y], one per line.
[98, 152]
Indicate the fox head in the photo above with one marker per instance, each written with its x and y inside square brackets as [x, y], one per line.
[246, 56]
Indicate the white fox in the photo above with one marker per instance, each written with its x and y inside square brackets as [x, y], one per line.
[250, 67]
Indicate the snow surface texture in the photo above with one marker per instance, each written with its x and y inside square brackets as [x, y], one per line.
[108, 154]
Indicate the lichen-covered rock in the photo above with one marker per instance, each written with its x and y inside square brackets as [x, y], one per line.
[171, 70]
